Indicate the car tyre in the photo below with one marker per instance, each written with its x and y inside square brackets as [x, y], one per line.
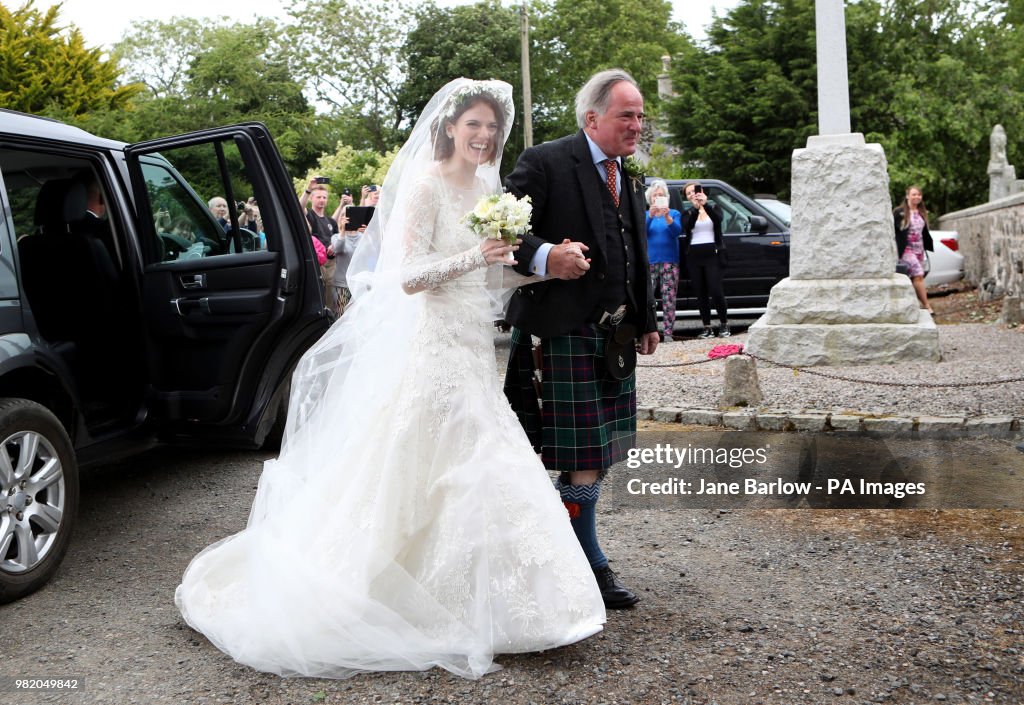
[38, 496]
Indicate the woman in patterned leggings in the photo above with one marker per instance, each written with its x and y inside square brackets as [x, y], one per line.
[664, 226]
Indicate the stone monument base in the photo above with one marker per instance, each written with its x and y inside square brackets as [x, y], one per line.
[843, 303]
[877, 300]
[809, 344]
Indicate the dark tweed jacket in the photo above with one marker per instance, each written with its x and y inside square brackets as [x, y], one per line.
[564, 185]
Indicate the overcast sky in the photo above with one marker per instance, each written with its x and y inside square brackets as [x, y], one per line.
[104, 21]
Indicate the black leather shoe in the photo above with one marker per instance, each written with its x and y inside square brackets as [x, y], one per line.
[616, 597]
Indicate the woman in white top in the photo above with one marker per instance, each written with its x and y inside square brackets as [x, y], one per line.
[704, 251]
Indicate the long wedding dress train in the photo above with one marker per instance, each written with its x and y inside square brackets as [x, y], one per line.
[408, 522]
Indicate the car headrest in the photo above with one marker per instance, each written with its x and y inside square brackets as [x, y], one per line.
[59, 202]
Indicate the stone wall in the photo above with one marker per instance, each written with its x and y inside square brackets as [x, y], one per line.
[992, 243]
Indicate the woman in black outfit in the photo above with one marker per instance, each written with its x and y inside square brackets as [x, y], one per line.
[704, 251]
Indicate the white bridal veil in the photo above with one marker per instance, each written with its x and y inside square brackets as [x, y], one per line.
[408, 522]
[356, 356]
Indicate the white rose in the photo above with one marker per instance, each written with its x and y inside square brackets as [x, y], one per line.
[484, 209]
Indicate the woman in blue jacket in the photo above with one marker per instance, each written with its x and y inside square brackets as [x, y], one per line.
[664, 226]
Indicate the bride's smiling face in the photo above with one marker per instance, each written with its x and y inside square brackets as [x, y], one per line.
[475, 134]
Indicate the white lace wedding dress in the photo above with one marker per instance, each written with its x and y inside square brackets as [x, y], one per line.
[408, 522]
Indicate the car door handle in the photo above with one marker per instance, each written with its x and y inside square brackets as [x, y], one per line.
[193, 281]
[184, 305]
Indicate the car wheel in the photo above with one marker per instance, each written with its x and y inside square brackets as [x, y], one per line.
[38, 496]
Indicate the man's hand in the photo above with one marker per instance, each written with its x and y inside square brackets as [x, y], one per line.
[566, 261]
[649, 343]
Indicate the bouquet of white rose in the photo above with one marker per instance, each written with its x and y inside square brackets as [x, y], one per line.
[500, 217]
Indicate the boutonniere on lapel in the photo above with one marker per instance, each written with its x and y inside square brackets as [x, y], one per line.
[634, 169]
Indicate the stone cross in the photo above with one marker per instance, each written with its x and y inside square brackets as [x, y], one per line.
[833, 83]
[834, 309]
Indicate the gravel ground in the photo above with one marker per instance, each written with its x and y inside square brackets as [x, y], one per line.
[970, 353]
[741, 607]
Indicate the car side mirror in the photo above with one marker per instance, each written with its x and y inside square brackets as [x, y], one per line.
[758, 223]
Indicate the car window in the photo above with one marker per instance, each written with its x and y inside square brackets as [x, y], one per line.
[735, 215]
[201, 202]
[68, 242]
[779, 208]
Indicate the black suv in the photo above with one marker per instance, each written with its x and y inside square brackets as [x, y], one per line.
[757, 243]
[130, 314]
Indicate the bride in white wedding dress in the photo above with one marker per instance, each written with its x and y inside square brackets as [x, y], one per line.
[408, 522]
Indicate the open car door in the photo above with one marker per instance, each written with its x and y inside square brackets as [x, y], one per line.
[231, 298]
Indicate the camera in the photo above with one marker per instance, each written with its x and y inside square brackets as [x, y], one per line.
[322, 179]
[346, 192]
[240, 206]
[371, 188]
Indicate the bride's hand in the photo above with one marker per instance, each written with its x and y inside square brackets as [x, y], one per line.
[497, 251]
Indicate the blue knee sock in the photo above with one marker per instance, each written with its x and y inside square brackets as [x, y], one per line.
[584, 522]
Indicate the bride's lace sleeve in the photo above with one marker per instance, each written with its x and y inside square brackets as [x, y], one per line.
[423, 267]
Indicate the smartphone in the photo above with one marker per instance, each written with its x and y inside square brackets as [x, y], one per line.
[358, 216]
[697, 188]
[322, 179]
[661, 202]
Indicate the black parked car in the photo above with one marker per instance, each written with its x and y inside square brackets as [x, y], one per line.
[153, 322]
[757, 244]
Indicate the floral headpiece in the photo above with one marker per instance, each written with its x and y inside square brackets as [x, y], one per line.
[460, 95]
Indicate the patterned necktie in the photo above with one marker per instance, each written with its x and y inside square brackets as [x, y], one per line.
[612, 167]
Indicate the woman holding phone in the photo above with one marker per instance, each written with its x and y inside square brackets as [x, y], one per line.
[704, 250]
[664, 226]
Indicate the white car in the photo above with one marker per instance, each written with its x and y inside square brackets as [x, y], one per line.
[780, 208]
[945, 265]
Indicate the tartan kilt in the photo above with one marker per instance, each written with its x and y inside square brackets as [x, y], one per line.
[587, 418]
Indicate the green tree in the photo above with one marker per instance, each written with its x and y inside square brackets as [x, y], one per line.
[210, 74]
[476, 41]
[351, 168]
[927, 81]
[747, 100]
[159, 53]
[46, 69]
[348, 54]
[575, 38]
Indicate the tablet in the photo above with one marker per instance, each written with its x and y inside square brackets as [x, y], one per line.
[358, 216]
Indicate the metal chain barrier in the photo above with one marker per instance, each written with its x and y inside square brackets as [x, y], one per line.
[688, 364]
[841, 378]
[911, 385]
[908, 385]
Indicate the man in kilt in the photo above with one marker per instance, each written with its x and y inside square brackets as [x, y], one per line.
[589, 241]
